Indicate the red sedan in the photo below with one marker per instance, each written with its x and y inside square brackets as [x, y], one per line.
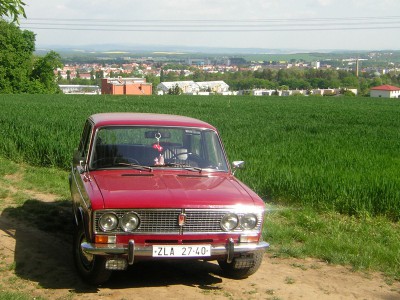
[153, 186]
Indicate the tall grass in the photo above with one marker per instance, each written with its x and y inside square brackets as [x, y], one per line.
[339, 154]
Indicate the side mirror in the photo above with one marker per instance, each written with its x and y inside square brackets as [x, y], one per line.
[84, 170]
[237, 164]
[83, 167]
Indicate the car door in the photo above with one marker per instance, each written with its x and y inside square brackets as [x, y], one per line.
[80, 175]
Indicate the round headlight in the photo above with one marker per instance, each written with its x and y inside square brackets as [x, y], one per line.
[130, 221]
[229, 222]
[108, 222]
[248, 221]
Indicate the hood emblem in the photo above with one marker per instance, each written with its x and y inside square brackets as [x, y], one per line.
[182, 219]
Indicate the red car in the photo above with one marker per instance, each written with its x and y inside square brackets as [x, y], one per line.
[154, 186]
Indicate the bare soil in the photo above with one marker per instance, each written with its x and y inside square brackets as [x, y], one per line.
[39, 263]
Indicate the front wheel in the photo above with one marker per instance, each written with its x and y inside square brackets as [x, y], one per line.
[90, 267]
[243, 266]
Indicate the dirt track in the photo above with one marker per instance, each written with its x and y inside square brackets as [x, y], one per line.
[39, 263]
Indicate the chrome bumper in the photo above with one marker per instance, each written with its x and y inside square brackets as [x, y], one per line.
[132, 250]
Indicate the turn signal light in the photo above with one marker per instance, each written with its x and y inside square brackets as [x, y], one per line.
[249, 239]
[105, 239]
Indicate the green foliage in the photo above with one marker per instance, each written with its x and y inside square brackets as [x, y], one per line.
[43, 72]
[12, 9]
[16, 48]
[348, 93]
[176, 90]
[154, 80]
[365, 243]
[336, 154]
[20, 71]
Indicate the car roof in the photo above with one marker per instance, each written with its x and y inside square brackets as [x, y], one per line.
[148, 119]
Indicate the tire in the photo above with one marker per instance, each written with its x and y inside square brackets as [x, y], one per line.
[90, 267]
[243, 266]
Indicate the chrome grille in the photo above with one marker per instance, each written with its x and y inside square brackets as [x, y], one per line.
[165, 221]
[203, 221]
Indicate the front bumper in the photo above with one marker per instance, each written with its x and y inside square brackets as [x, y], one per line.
[131, 250]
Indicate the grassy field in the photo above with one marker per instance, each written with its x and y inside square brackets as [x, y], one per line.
[333, 154]
[365, 243]
[339, 155]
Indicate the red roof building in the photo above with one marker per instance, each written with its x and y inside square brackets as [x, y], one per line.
[385, 91]
[126, 86]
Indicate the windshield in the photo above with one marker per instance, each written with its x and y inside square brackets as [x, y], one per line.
[158, 147]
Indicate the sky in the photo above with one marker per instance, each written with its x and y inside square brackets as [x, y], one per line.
[264, 24]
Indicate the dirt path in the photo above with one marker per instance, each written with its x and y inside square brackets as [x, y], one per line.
[39, 263]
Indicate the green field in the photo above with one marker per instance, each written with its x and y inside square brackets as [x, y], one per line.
[334, 154]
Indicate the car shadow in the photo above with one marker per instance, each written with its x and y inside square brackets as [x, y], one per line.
[43, 254]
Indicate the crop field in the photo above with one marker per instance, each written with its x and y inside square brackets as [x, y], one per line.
[329, 153]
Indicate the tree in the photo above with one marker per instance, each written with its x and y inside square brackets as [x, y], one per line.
[162, 79]
[20, 70]
[12, 9]
[198, 76]
[171, 76]
[154, 80]
[43, 72]
[176, 90]
[16, 50]
[182, 75]
[350, 82]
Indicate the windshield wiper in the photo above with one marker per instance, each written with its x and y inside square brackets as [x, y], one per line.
[183, 166]
[135, 166]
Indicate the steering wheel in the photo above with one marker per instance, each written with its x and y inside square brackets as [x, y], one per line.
[190, 156]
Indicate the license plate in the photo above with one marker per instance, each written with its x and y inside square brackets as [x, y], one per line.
[181, 250]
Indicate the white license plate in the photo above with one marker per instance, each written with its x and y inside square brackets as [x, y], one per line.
[181, 250]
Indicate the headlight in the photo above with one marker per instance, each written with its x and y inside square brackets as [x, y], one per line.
[108, 222]
[130, 221]
[229, 222]
[248, 221]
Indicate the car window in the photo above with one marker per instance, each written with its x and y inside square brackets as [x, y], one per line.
[157, 146]
[213, 150]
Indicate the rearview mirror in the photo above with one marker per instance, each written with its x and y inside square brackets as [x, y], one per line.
[154, 134]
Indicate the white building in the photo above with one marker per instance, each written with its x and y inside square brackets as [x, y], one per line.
[80, 89]
[218, 87]
[316, 64]
[194, 88]
[187, 87]
[385, 91]
[263, 92]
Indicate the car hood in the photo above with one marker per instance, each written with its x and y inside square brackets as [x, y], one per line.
[150, 190]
